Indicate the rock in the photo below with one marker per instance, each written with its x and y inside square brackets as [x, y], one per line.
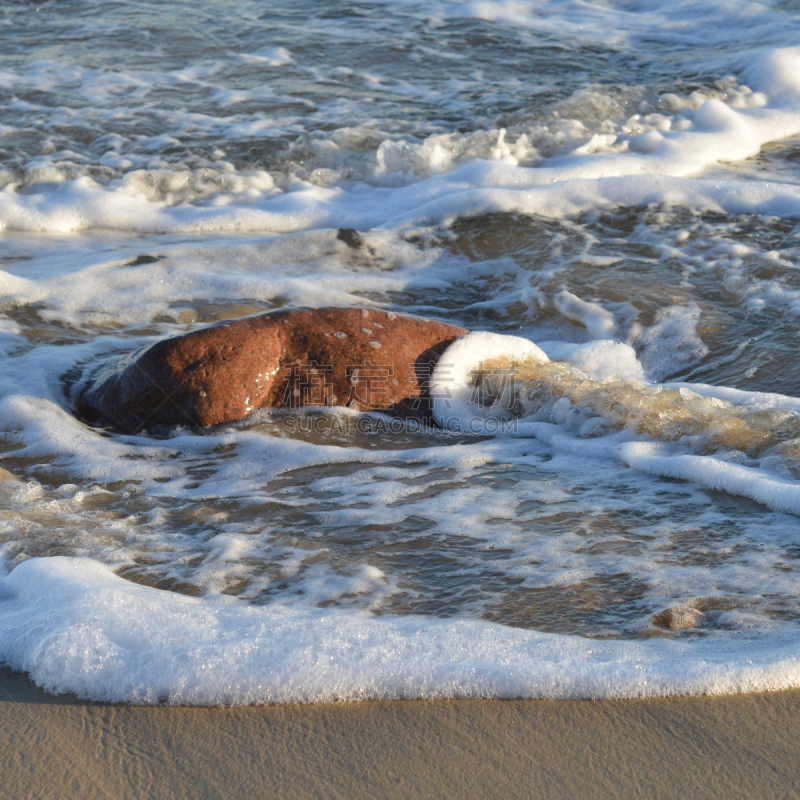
[351, 237]
[363, 359]
[679, 617]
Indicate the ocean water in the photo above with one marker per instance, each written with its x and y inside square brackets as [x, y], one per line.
[606, 192]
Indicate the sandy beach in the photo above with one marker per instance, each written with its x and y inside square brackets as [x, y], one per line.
[708, 747]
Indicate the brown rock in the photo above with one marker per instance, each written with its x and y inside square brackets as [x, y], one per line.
[359, 358]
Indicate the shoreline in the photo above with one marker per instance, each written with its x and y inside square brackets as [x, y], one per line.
[700, 747]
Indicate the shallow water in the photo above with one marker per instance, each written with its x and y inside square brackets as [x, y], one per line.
[617, 184]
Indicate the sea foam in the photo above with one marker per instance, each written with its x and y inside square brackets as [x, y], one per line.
[76, 627]
[650, 167]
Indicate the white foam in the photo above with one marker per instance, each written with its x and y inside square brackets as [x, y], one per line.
[599, 359]
[76, 627]
[596, 319]
[671, 342]
[617, 23]
[770, 490]
[451, 386]
[634, 171]
[458, 405]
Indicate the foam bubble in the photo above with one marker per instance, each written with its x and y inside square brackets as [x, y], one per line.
[76, 627]
[453, 389]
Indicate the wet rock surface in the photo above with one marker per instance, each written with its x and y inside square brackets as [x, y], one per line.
[359, 358]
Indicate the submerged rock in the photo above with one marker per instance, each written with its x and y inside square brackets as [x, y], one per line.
[363, 359]
[679, 617]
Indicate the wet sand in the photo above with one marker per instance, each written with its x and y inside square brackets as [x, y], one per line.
[724, 747]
